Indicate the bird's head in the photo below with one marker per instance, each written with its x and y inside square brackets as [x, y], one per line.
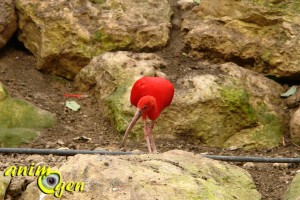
[145, 105]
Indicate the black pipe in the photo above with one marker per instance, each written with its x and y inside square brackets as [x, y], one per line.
[60, 152]
[74, 152]
[253, 159]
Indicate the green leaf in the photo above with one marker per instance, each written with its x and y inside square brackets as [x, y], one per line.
[197, 2]
[73, 105]
[290, 92]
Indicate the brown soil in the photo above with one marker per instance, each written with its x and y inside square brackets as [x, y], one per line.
[19, 75]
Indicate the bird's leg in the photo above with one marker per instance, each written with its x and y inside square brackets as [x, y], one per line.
[147, 136]
[151, 137]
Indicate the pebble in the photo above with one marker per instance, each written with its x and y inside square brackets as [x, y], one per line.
[63, 148]
[281, 165]
[73, 146]
[204, 153]
[100, 149]
[294, 172]
[137, 151]
[82, 138]
[34, 158]
[285, 179]
[40, 164]
[249, 165]
[50, 145]
[122, 149]
[4, 165]
[60, 142]
[233, 148]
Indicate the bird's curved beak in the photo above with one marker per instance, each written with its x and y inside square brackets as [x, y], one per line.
[136, 117]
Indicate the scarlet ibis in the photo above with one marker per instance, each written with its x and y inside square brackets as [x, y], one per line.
[151, 95]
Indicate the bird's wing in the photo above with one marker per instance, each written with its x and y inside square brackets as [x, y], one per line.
[161, 89]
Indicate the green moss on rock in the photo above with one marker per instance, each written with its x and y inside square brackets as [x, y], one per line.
[115, 103]
[14, 137]
[110, 41]
[217, 182]
[237, 101]
[4, 182]
[291, 7]
[18, 118]
[119, 112]
[98, 1]
[293, 191]
[266, 55]
[21, 114]
[3, 92]
[272, 130]
[254, 124]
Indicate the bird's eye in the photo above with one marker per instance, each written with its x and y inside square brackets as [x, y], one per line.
[144, 107]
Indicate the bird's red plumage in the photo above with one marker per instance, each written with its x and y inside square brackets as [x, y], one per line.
[160, 88]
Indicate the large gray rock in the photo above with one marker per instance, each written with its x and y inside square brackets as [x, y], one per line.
[21, 114]
[171, 175]
[221, 105]
[295, 126]
[111, 76]
[293, 190]
[3, 92]
[8, 21]
[260, 34]
[18, 119]
[229, 106]
[4, 182]
[15, 137]
[112, 69]
[64, 36]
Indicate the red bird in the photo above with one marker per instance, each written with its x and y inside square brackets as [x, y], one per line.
[150, 95]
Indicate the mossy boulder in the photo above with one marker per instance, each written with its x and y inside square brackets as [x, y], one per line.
[259, 34]
[295, 126]
[293, 191]
[3, 92]
[111, 76]
[225, 106]
[229, 106]
[8, 19]
[14, 137]
[64, 37]
[4, 182]
[18, 120]
[19, 113]
[171, 175]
